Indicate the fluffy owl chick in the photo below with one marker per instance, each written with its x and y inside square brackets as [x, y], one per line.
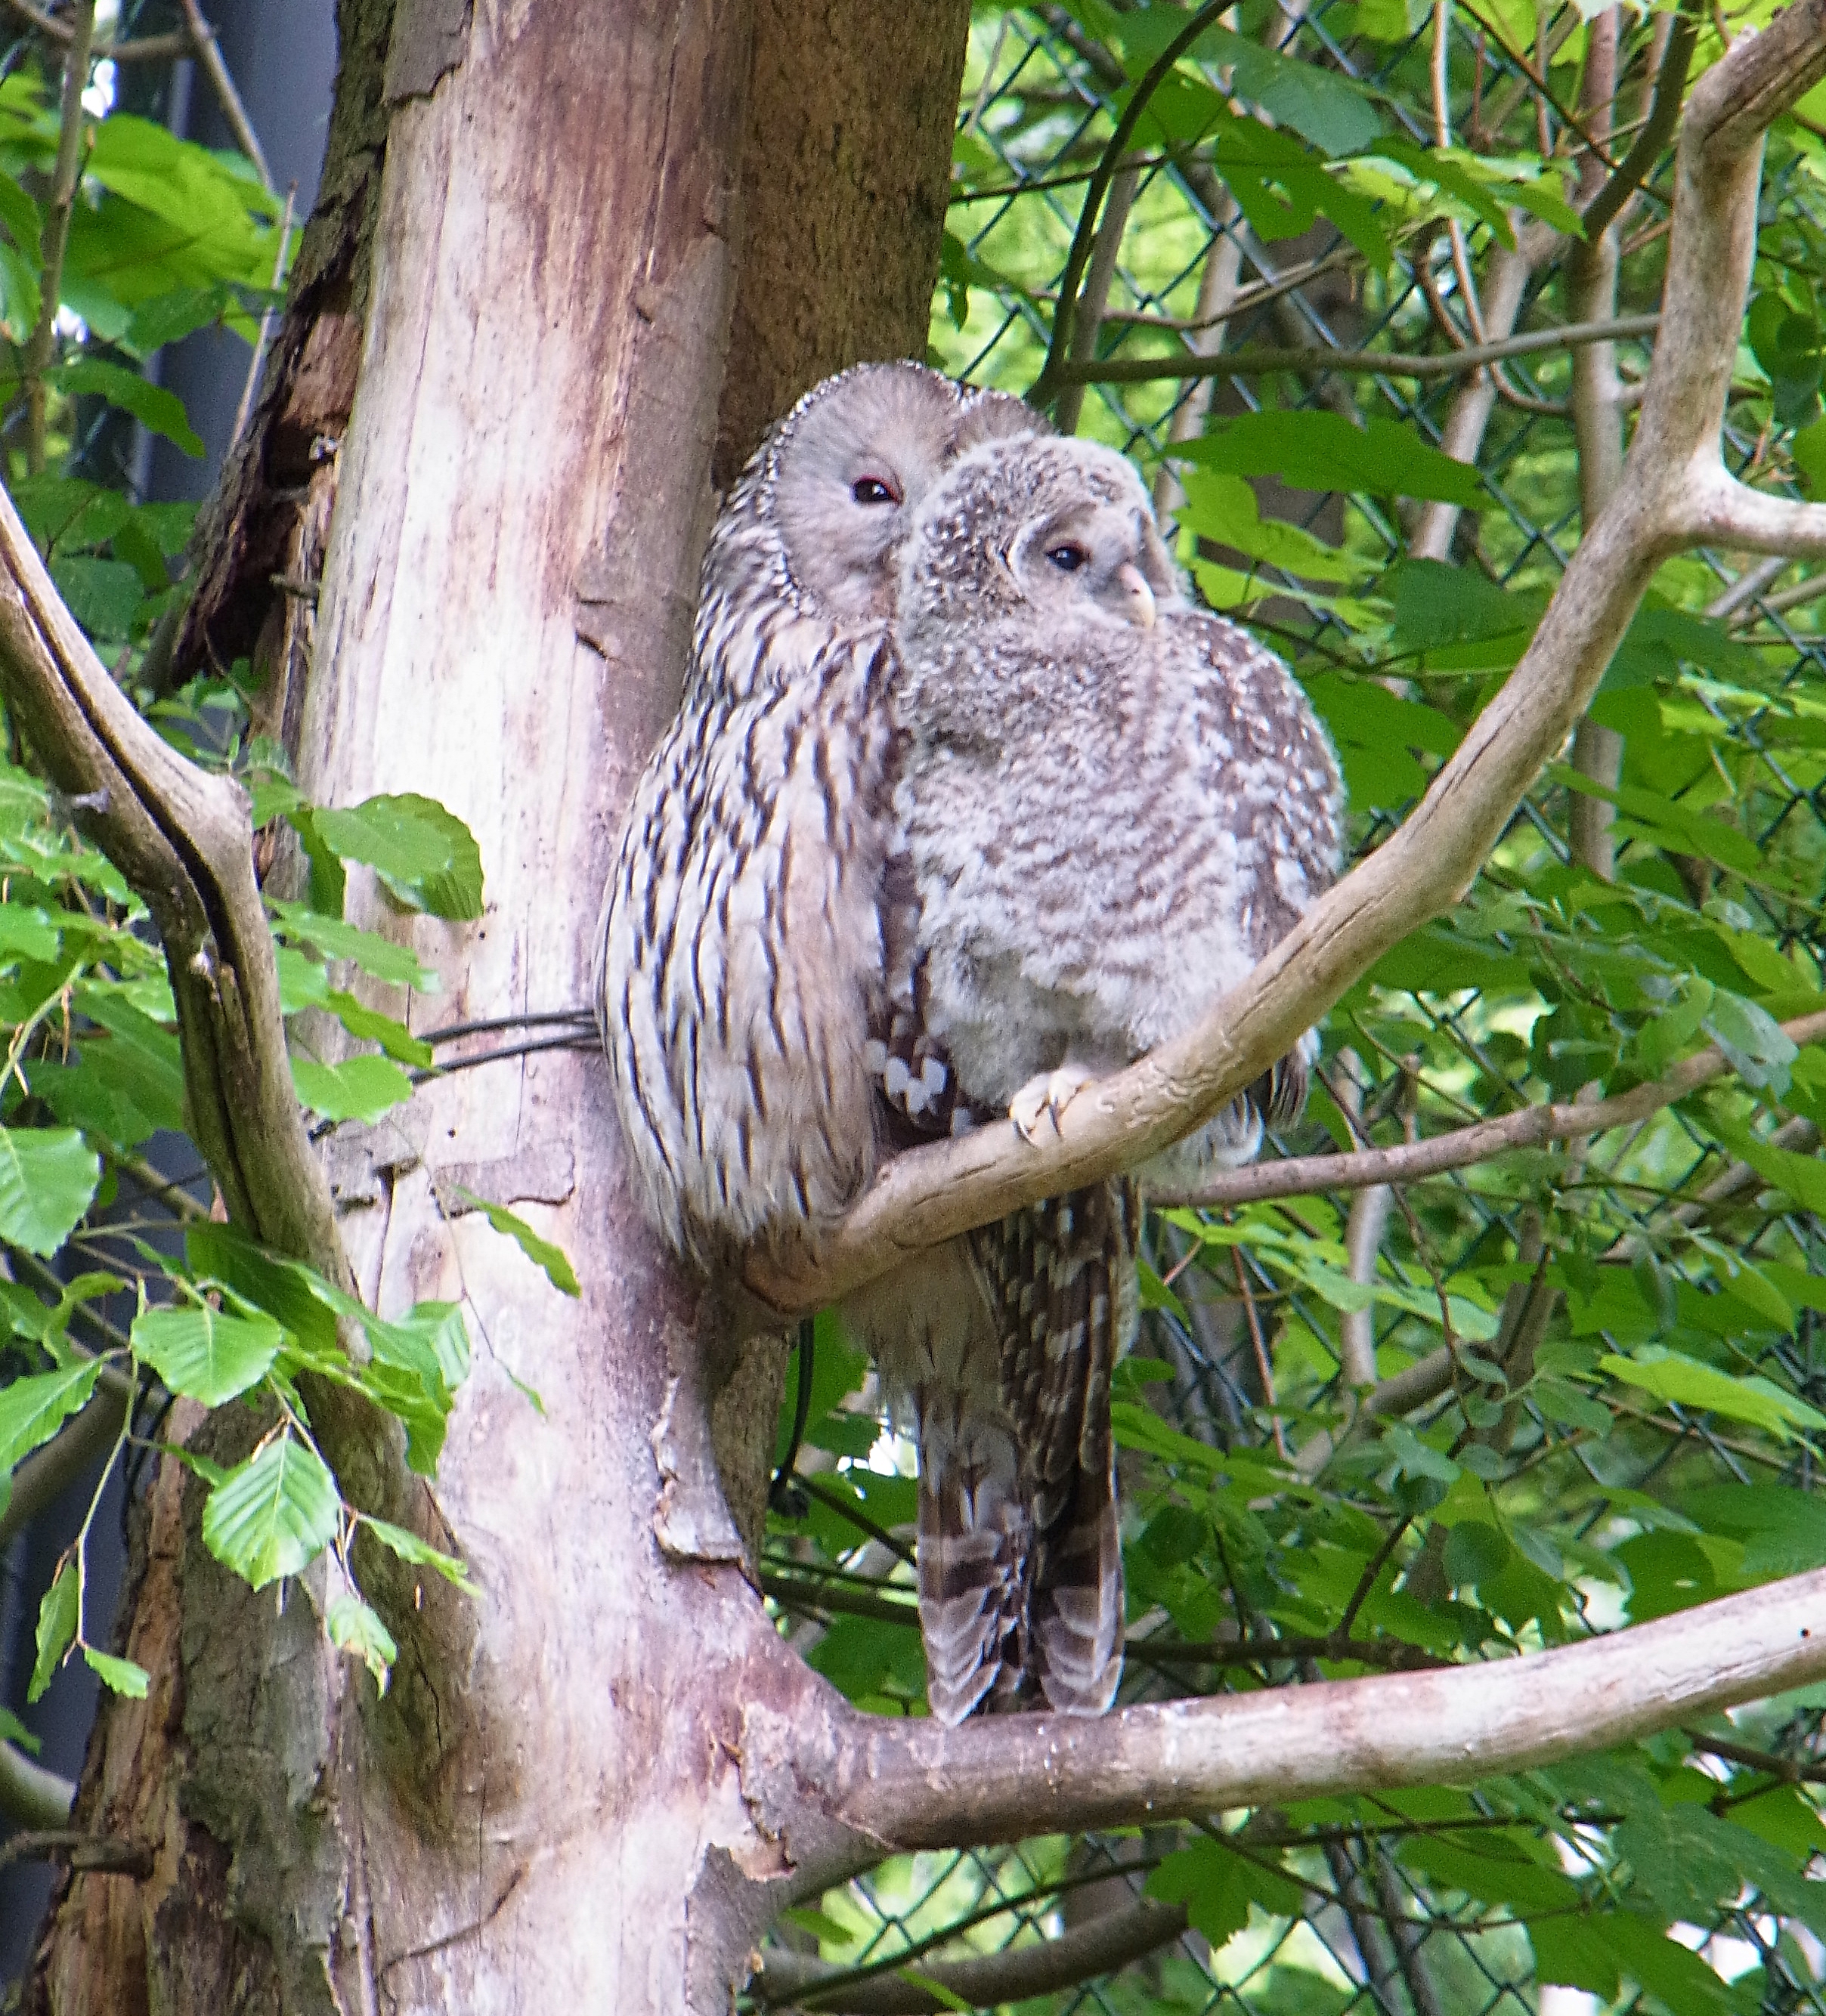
[1115, 803]
[741, 981]
[1112, 805]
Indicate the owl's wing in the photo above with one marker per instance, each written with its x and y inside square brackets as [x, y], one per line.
[1061, 1277]
[1274, 783]
[741, 951]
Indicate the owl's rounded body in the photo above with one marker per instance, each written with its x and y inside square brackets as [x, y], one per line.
[1115, 803]
[744, 945]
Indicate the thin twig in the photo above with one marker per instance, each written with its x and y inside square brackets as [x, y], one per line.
[1258, 361]
[55, 237]
[834, 1502]
[98, 1854]
[266, 329]
[142, 48]
[1045, 387]
[209, 54]
[1264, 1370]
[1533, 1127]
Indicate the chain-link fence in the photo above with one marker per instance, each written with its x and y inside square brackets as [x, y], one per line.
[1237, 1345]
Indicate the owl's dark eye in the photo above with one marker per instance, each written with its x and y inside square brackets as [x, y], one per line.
[872, 490]
[1067, 556]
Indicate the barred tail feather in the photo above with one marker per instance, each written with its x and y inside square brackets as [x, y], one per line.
[1076, 1610]
[1061, 1276]
[976, 1567]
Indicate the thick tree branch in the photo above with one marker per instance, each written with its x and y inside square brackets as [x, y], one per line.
[935, 1193]
[1533, 1126]
[182, 838]
[1727, 512]
[915, 1784]
[1081, 1954]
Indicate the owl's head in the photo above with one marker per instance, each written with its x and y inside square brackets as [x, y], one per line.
[841, 474]
[1042, 529]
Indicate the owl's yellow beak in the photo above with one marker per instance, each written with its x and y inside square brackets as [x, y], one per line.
[1141, 596]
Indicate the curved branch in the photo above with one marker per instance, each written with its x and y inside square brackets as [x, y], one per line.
[182, 838]
[1081, 1954]
[935, 1193]
[1533, 1126]
[916, 1784]
[1727, 512]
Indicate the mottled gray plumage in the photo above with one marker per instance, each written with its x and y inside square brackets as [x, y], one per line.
[1112, 805]
[757, 990]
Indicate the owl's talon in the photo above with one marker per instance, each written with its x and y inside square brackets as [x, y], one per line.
[1047, 1097]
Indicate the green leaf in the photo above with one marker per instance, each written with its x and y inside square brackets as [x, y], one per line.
[1803, 1177]
[1222, 508]
[353, 1627]
[826, 1930]
[424, 854]
[23, 218]
[409, 1547]
[1668, 823]
[1456, 619]
[157, 410]
[283, 1288]
[1474, 1553]
[1753, 1041]
[369, 1024]
[32, 1410]
[59, 1614]
[358, 1088]
[1492, 1869]
[1784, 1530]
[378, 957]
[205, 1355]
[103, 595]
[1217, 1886]
[47, 1179]
[274, 1514]
[1313, 450]
[541, 1252]
[1670, 1375]
[1334, 113]
[121, 1675]
[13, 1730]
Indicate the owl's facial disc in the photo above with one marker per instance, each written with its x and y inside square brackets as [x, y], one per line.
[1091, 559]
[857, 461]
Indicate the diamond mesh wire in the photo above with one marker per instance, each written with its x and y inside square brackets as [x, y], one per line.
[1038, 106]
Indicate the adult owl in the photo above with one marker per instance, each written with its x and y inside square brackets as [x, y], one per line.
[1113, 803]
[749, 927]
[756, 988]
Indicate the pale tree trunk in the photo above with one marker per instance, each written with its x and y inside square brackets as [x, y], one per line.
[545, 1811]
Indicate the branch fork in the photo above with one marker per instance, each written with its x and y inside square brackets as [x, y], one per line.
[1676, 494]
